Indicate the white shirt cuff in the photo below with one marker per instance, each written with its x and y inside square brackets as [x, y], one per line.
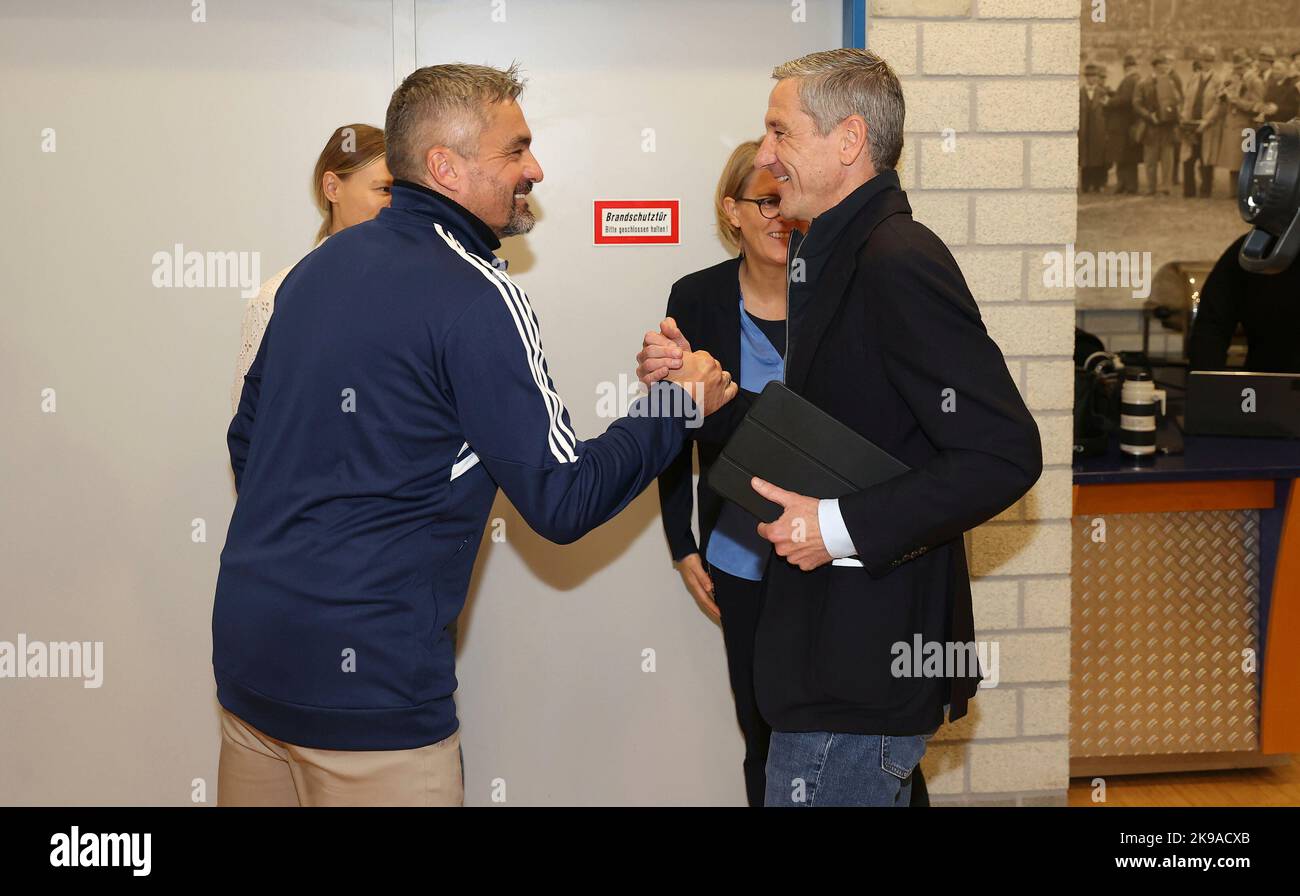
[835, 535]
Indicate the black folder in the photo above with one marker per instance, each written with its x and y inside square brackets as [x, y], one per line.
[794, 444]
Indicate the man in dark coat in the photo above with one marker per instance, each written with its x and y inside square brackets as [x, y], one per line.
[1121, 149]
[1281, 100]
[883, 329]
[1092, 131]
[1157, 101]
[1198, 108]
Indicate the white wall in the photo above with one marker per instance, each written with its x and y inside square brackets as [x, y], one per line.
[170, 131]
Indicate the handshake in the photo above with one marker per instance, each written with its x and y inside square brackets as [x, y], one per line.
[667, 355]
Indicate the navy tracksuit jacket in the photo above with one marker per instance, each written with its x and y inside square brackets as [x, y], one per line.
[400, 381]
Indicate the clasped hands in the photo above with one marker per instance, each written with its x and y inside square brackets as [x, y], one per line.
[666, 354]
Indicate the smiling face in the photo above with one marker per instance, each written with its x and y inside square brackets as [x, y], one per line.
[761, 239]
[812, 172]
[502, 174]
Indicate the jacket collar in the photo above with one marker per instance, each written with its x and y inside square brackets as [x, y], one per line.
[826, 228]
[845, 229]
[417, 199]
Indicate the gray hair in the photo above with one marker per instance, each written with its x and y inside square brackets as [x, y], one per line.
[835, 84]
[443, 105]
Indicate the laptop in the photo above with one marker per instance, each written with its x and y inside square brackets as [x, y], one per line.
[1242, 403]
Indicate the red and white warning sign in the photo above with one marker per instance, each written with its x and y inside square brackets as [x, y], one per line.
[637, 222]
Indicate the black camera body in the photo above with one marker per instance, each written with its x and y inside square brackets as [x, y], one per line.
[1268, 198]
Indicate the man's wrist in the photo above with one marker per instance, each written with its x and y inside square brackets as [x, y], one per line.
[666, 398]
[835, 534]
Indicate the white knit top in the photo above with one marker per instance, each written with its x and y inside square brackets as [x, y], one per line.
[257, 313]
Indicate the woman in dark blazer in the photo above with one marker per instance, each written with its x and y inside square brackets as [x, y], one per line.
[736, 311]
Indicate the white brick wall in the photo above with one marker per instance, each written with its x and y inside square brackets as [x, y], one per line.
[990, 166]
[966, 48]
[1053, 162]
[1026, 9]
[1038, 104]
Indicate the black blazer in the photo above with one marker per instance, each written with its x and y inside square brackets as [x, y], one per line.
[887, 329]
[706, 306]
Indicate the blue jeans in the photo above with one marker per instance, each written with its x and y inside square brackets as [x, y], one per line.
[822, 768]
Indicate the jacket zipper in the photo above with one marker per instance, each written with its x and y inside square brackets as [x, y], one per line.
[785, 362]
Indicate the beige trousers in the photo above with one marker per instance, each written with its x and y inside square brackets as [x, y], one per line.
[258, 770]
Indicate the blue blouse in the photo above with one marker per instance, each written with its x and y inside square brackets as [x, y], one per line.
[735, 546]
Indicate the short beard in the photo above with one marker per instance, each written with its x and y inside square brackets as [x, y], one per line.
[517, 221]
[521, 220]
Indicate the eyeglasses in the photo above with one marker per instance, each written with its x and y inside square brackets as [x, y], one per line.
[769, 206]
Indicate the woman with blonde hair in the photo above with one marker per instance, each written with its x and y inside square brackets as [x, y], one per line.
[735, 310]
[350, 184]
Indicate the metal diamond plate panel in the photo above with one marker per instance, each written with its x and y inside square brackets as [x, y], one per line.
[1164, 611]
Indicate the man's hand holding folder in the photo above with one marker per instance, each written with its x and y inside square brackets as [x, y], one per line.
[796, 534]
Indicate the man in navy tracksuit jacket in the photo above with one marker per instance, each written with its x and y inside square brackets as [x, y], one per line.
[401, 380]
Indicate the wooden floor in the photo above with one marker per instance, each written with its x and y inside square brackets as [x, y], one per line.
[1277, 785]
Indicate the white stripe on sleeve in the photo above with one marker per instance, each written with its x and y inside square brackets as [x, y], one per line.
[561, 440]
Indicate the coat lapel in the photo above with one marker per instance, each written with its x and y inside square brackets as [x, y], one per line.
[833, 282]
[725, 307]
